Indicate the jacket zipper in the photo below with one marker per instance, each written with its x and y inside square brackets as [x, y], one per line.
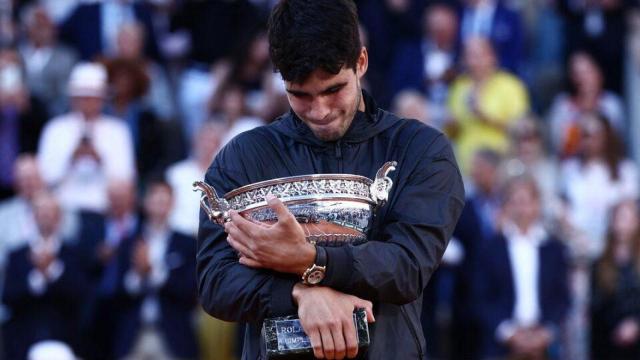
[413, 331]
[339, 155]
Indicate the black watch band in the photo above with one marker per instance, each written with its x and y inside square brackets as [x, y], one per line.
[321, 256]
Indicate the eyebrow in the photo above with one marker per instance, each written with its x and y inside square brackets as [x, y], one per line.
[332, 88]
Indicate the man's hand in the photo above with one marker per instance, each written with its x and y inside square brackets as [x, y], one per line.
[326, 316]
[627, 332]
[530, 343]
[281, 246]
[140, 258]
[41, 260]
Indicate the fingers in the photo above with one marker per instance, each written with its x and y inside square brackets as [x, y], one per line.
[316, 343]
[338, 334]
[350, 338]
[240, 247]
[367, 306]
[246, 261]
[279, 208]
[248, 227]
[327, 343]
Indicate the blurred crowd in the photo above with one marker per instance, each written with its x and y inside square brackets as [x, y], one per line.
[109, 110]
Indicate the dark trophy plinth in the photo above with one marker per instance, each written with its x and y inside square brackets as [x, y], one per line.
[284, 337]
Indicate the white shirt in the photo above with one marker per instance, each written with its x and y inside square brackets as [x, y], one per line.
[241, 125]
[83, 185]
[591, 193]
[186, 209]
[525, 269]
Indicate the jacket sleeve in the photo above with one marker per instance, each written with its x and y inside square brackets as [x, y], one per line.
[404, 251]
[227, 289]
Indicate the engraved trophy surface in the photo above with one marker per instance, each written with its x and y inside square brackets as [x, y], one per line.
[333, 210]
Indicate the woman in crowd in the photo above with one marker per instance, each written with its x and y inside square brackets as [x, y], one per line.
[615, 304]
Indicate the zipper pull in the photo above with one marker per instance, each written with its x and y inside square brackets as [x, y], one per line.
[339, 149]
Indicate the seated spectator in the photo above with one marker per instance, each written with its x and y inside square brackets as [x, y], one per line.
[80, 151]
[427, 64]
[157, 289]
[494, 20]
[130, 46]
[528, 155]
[410, 104]
[592, 182]
[229, 106]
[152, 138]
[47, 63]
[520, 284]
[92, 27]
[484, 195]
[16, 214]
[22, 118]
[586, 95]
[46, 286]
[483, 103]
[181, 175]
[615, 304]
[101, 239]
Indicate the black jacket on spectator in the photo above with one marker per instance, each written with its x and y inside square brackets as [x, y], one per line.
[177, 298]
[405, 245]
[494, 290]
[51, 315]
[83, 30]
[608, 310]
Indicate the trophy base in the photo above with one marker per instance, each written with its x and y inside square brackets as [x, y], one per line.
[285, 339]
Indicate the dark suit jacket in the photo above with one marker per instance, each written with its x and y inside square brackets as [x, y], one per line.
[83, 30]
[51, 315]
[494, 291]
[177, 300]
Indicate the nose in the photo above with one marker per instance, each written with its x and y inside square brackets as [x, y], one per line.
[318, 109]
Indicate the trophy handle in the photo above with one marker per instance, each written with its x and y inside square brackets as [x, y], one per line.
[382, 184]
[217, 208]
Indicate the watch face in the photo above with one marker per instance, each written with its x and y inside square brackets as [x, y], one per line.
[315, 277]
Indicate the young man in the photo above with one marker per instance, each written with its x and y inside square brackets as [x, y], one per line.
[333, 127]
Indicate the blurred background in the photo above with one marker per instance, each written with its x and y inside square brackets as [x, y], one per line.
[109, 110]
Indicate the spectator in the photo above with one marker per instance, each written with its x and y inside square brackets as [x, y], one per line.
[427, 64]
[485, 196]
[16, 214]
[21, 118]
[483, 103]
[92, 28]
[521, 281]
[229, 106]
[47, 63]
[493, 20]
[599, 165]
[151, 137]
[130, 46]
[101, 240]
[181, 175]
[615, 309]
[411, 104]
[80, 151]
[46, 285]
[586, 95]
[528, 156]
[158, 287]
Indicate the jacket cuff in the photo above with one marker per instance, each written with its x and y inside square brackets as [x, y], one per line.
[339, 267]
[281, 298]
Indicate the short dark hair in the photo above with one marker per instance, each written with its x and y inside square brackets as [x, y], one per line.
[305, 35]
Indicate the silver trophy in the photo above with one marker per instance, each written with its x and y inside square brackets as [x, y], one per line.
[333, 209]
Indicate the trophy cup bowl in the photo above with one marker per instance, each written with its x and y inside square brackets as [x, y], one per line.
[333, 209]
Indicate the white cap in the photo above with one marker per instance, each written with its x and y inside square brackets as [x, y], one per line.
[50, 350]
[88, 79]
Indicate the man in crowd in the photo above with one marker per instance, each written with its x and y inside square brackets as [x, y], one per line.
[333, 127]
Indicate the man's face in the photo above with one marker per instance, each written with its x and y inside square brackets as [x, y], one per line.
[326, 102]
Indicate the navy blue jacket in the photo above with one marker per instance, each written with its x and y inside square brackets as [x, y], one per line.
[405, 246]
[177, 300]
[495, 293]
[53, 314]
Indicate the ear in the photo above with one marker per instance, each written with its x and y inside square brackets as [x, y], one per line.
[363, 62]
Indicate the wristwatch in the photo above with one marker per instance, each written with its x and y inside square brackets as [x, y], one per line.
[315, 273]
